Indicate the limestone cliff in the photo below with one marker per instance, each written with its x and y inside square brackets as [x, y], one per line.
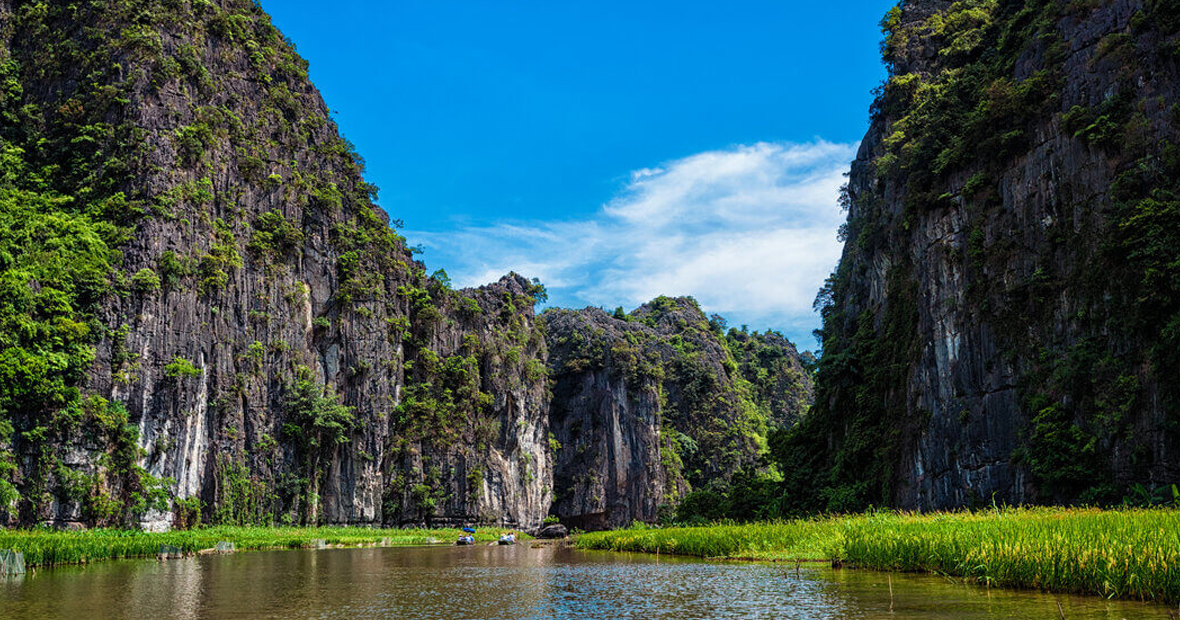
[1005, 313]
[649, 405]
[252, 340]
[204, 316]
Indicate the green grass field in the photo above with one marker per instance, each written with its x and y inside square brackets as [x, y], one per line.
[1125, 553]
[783, 541]
[43, 547]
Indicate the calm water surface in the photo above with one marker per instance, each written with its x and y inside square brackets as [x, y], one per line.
[509, 583]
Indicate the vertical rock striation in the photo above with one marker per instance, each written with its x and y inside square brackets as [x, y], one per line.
[1004, 312]
[204, 316]
[649, 405]
[271, 342]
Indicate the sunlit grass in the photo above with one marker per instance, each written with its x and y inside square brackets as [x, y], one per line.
[1124, 553]
[44, 547]
[786, 540]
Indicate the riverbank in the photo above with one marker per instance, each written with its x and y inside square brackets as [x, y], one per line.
[1131, 554]
[44, 547]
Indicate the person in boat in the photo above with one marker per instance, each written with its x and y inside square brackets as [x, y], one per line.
[508, 538]
[468, 537]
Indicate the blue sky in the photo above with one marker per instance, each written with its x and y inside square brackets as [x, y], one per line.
[616, 150]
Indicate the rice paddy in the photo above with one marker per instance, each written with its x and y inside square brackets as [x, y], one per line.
[782, 541]
[1125, 553]
[45, 547]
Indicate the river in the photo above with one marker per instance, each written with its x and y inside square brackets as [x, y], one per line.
[511, 583]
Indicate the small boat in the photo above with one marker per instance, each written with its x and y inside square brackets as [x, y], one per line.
[465, 540]
[508, 539]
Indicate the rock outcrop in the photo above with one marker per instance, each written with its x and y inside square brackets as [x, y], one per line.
[204, 316]
[555, 531]
[1004, 313]
[270, 340]
[649, 405]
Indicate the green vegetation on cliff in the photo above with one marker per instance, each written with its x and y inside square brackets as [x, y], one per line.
[706, 395]
[998, 276]
[67, 204]
[965, 111]
[60, 220]
[190, 259]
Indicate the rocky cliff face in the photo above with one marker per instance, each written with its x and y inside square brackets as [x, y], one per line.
[1005, 310]
[205, 317]
[252, 334]
[649, 405]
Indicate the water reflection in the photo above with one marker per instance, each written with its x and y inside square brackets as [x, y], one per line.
[510, 583]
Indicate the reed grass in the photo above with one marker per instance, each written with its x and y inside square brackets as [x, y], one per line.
[1125, 554]
[1122, 553]
[45, 547]
[784, 540]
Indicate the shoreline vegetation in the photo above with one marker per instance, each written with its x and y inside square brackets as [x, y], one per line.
[44, 547]
[1130, 554]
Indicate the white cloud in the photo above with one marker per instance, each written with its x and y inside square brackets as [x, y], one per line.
[749, 231]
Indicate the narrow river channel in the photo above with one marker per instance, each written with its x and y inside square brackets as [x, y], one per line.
[511, 583]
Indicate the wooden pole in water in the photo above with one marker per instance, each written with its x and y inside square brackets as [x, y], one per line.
[890, 593]
[1060, 610]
